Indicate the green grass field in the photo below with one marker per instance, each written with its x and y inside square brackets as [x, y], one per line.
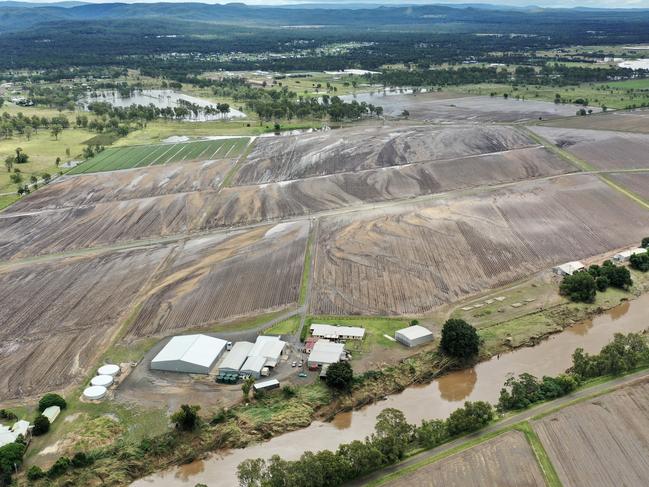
[117, 158]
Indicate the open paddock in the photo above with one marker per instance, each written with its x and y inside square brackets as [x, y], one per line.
[600, 148]
[410, 259]
[58, 316]
[619, 120]
[638, 183]
[90, 189]
[129, 157]
[504, 461]
[433, 108]
[215, 278]
[603, 442]
[356, 149]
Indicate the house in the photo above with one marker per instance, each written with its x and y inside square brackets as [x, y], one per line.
[193, 354]
[333, 332]
[569, 268]
[325, 353]
[626, 255]
[413, 335]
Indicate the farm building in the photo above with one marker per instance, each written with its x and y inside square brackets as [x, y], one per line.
[626, 255]
[194, 354]
[21, 427]
[569, 268]
[235, 358]
[268, 347]
[332, 332]
[52, 413]
[253, 365]
[325, 353]
[413, 335]
[266, 385]
[6, 435]
[308, 345]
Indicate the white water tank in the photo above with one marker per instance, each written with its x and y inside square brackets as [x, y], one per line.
[94, 392]
[102, 380]
[108, 369]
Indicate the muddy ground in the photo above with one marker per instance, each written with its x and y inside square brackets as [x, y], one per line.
[410, 259]
[620, 120]
[636, 182]
[505, 461]
[601, 442]
[602, 149]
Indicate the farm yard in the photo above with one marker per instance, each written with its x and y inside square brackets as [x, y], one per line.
[351, 150]
[129, 157]
[506, 461]
[601, 442]
[409, 260]
[215, 278]
[59, 316]
[444, 107]
[602, 149]
[623, 121]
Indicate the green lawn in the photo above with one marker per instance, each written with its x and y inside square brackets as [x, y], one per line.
[286, 327]
[150, 155]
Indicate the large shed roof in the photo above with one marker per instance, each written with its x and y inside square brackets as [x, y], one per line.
[414, 332]
[236, 357]
[325, 352]
[334, 331]
[195, 349]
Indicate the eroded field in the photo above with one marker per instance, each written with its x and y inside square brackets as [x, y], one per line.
[442, 109]
[623, 120]
[603, 442]
[58, 316]
[602, 149]
[214, 278]
[505, 461]
[348, 150]
[638, 183]
[408, 260]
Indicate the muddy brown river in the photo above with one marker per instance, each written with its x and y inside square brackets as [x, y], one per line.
[435, 400]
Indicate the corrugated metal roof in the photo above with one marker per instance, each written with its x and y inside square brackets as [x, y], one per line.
[331, 331]
[414, 332]
[236, 357]
[325, 352]
[195, 349]
[253, 364]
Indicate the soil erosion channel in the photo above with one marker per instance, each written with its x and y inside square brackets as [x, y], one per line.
[435, 400]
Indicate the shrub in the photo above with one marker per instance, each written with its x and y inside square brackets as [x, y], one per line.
[601, 283]
[639, 262]
[645, 243]
[35, 472]
[472, 417]
[289, 391]
[340, 376]
[459, 339]
[579, 287]
[186, 418]
[51, 400]
[41, 425]
[8, 415]
[59, 468]
[81, 459]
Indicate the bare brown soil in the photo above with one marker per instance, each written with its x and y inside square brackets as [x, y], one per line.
[505, 461]
[602, 149]
[623, 120]
[213, 278]
[473, 109]
[57, 317]
[408, 260]
[345, 150]
[635, 182]
[90, 189]
[601, 442]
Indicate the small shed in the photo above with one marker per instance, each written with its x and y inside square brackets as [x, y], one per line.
[569, 268]
[52, 413]
[266, 385]
[413, 335]
[626, 255]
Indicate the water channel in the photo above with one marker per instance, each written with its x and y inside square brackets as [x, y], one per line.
[435, 400]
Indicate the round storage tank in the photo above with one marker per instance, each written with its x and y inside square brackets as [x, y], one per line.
[108, 369]
[94, 392]
[102, 380]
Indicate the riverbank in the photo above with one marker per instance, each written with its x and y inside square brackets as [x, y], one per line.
[280, 413]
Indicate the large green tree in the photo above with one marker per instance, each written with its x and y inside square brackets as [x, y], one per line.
[340, 376]
[459, 339]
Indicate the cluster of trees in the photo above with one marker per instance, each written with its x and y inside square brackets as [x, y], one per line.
[186, 418]
[552, 74]
[27, 126]
[393, 437]
[639, 262]
[624, 354]
[582, 286]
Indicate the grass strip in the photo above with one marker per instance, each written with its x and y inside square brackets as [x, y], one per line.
[550, 474]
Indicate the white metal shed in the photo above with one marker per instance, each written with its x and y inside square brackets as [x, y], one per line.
[194, 354]
[413, 335]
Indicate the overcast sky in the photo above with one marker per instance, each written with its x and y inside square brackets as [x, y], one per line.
[518, 3]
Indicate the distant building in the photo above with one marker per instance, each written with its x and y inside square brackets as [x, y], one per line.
[193, 354]
[332, 332]
[325, 353]
[626, 255]
[569, 268]
[413, 335]
[251, 358]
